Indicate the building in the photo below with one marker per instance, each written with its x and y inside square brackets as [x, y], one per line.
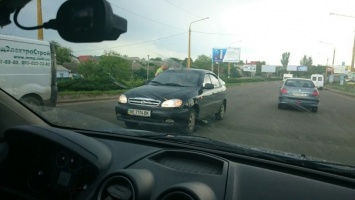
[62, 72]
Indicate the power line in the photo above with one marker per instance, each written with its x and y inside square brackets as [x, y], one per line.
[138, 43]
[210, 33]
[21, 17]
[181, 8]
[149, 19]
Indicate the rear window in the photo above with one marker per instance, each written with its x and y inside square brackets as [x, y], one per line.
[299, 83]
[320, 78]
[314, 78]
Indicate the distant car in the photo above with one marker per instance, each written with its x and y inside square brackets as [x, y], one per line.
[318, 80]
[177, 97]
[299, 93]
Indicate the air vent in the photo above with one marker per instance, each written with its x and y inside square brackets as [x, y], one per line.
[177, 196]
[117, 187]
[188, 191]
[190, 162]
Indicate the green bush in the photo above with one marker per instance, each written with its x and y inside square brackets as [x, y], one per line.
[86, 85]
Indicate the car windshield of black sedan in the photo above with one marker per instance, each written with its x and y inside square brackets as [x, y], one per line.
[183, 78]
[263, 74]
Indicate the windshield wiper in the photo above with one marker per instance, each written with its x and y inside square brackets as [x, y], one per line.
[174, 84]
[157, 82]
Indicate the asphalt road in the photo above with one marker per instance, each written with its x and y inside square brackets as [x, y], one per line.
[253, 119]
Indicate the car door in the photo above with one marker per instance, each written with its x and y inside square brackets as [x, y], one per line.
[218, 93]
[205, 99]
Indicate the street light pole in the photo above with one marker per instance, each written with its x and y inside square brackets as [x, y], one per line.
[148, 69]
[189, 44]
[326, 69]
[132, 69]
[353, 56]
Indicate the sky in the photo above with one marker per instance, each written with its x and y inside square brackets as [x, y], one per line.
[263, 29]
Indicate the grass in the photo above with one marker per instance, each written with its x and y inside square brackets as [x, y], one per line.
[345, 88]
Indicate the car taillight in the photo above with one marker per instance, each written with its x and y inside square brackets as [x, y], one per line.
[315, 93]
[283, 91]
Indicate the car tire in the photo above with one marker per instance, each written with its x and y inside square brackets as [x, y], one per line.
[280, 106]
[190, 125]
[131, 124]
[315, 109]
[31, 100]
[220, 114]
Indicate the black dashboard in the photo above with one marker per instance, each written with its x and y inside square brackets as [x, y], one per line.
[51, 163]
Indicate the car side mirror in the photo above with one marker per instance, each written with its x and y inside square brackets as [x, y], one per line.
[208, 86]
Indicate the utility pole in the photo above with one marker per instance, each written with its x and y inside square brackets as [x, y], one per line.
[39, 19]
[148, 68]
[353, 58]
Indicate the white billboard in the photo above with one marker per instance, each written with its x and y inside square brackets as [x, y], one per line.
[268, 68]
[249, 68]
[339, 69]
[292, 68]
[232, 55]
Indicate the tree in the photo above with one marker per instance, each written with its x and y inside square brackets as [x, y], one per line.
[110, 66]
[285, 59]
[114, 64]
[306, 61]
[63, 54]
[258, 67]
[202, 62]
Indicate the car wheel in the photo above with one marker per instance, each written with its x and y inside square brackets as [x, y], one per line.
[315, 109]
[220, 114]
[280, 106]
[31, 100]
[190, 125]
[131, 124]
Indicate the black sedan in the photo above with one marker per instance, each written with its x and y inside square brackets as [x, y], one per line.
[176, 97]
[299, 93]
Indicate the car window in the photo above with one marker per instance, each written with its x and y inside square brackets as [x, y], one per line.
[215, 81]
[314, 78]
[207, 79]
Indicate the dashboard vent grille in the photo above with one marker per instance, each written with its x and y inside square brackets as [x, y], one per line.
[190, 162]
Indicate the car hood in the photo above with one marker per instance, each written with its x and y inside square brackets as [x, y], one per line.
[163, 92]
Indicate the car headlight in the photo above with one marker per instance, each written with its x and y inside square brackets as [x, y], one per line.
[122, 99]
[172, 103]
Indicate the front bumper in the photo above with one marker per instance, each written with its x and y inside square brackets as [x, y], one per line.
[159, 116]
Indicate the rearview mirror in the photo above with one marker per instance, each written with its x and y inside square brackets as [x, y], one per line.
[88, 21]
[208, 86]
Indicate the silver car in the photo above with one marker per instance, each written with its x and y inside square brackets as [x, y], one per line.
[300, 93]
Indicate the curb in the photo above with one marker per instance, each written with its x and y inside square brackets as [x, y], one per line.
[63, 101]
[340, 92]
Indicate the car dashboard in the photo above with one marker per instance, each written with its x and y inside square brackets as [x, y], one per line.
[51, 163]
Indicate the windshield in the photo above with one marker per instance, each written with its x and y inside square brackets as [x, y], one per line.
[234, 72]
[178, 78]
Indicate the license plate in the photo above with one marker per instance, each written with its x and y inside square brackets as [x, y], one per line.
[142, 113]
[299, 94]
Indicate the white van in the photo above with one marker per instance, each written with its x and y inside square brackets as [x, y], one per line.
[318, 80]
[27, 70]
